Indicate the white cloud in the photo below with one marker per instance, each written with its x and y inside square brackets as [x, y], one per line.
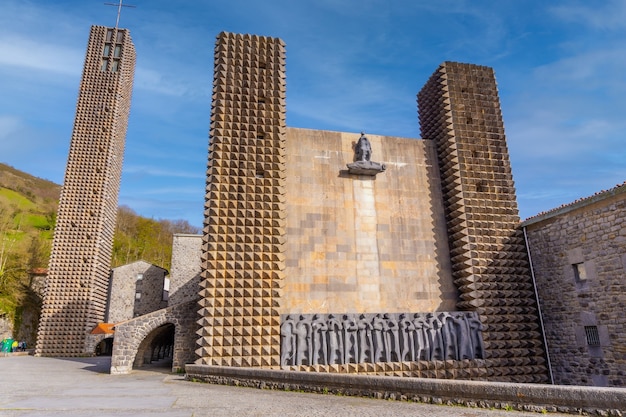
[33, 54]
[610, 15]
[159, 172]
[8, 126]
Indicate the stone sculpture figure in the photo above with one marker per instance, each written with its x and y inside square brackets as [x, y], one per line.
[378, 330]
[461, 328]
[421, 337]
[435, 338]
[392, 340]
[319, 347]
[349, 339]
[365, 345]
[288, 341]
[449, 336]
[303, 334]
[476, 328]
[335, 345]
[363, 149]
[362, 164]
[406, 330]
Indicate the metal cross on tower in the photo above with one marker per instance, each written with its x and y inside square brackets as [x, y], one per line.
[119, 10]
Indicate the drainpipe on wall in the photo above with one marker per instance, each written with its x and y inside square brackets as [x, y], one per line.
[543, 329]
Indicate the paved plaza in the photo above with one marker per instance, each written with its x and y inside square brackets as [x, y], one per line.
[33, 386]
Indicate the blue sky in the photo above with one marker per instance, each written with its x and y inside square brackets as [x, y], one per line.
[351, 66]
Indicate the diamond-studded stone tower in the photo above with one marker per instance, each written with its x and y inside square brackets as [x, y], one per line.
[459, 109]
[243, 259]
[76, 289]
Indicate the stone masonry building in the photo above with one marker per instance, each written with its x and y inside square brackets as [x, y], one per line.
[313, 257]
[76, 288]
[578, 253]
[135, 289]
[293, 239]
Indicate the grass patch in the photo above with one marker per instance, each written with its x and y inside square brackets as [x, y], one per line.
[16, 199]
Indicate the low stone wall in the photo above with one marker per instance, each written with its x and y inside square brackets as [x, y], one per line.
[500, 395]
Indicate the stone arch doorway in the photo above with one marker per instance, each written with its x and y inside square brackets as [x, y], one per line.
[157, 347]
[104, 347]
[164, 334]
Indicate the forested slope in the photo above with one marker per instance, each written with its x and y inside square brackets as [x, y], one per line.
[28, 207]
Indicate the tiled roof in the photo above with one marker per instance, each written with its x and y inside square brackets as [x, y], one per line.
[581, 202]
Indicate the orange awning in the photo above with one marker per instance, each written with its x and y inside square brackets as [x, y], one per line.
[103, 328]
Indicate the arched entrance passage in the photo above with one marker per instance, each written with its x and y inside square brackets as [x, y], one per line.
[157, 347]
[104, 347]
[170, 333]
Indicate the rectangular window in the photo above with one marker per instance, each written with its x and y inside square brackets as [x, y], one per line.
[139, 277]
[120, 36]
[580, 273]
[593, 338]
[107, 50]
[137, 295]
[109, 35]
[118, 51]
[115, 65]
[103, 66]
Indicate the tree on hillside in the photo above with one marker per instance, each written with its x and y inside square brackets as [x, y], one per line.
[139, 238]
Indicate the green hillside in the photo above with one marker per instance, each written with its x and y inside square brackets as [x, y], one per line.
[28, 207]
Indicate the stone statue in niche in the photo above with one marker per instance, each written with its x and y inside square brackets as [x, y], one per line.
[362, 164]
[329, 339]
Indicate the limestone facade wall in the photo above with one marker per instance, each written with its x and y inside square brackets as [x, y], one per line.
[135, 289]
[364, 244]
[185, 269]
[579, 258]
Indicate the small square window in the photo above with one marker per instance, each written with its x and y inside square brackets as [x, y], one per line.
[260, 174]
[137, 295]
[139, 277]
[580, 273]
[592, 335]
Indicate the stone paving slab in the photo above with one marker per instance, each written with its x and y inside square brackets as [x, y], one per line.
[36, 387]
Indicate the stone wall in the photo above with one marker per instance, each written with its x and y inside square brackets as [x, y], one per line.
[579, 258]
[359, 243]
[185, 269]
[135, 289]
